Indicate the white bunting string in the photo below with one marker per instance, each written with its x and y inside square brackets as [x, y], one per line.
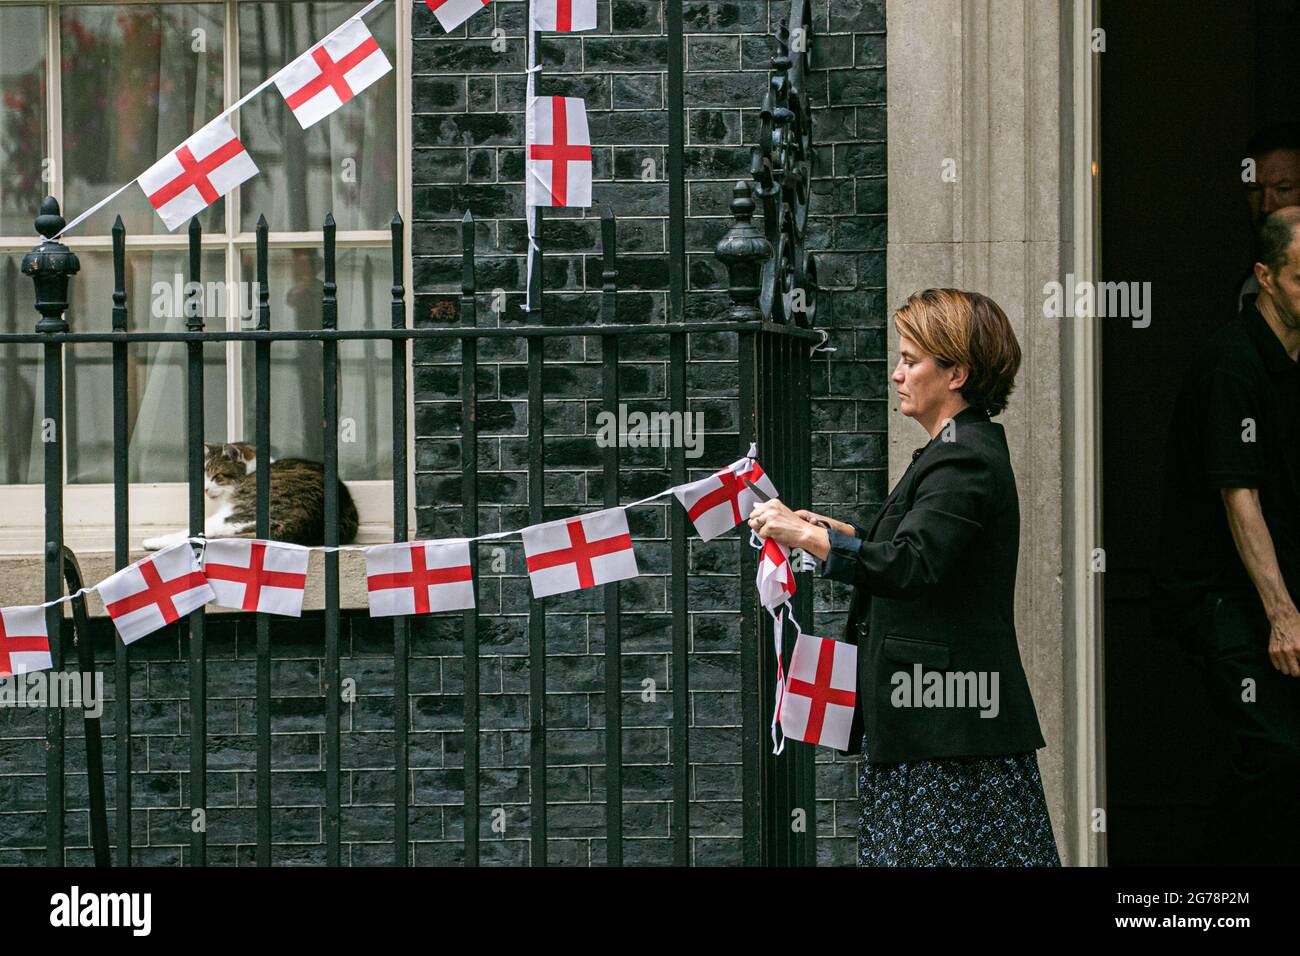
[530, 212]
[778, 629]
[67, 598]
[91, 211]
[784, 609]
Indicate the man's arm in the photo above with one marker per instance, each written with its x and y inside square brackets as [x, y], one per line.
[1255, 546]
[1235, 466]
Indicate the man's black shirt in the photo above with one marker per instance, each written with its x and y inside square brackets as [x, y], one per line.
[1236, 424]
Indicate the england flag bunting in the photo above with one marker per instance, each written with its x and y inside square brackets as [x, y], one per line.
[427, 576]
[24, 641]
[559, 152]
[564, 16]
[775, 588]
[200, 171]
[718, 503]
[332, 73]
[452, 13]
[579, 552]
[249, 575]
[820, 692]
[775, 574]
[419, 577]
[155, 592]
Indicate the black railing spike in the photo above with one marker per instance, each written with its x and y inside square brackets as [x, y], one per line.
[261, 267]
[329, 291]
[468, 281]
[398, 229]
[608, 252]
[119, 275]
[194, 303]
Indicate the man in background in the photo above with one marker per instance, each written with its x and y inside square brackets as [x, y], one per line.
[1230, 549]
[1275, 150]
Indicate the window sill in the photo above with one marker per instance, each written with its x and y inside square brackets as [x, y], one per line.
[22, 571]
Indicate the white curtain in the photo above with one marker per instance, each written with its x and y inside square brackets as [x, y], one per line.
[137, 82]
[134, 87]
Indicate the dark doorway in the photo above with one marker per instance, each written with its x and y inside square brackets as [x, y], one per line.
[1183, 86]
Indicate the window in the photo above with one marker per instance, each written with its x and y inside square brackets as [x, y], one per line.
[93, 94]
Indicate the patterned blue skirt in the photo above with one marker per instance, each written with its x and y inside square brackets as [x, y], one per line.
[954, 811]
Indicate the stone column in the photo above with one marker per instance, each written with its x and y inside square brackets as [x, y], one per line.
[979, 198]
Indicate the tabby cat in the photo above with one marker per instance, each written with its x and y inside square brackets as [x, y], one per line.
[297, 499]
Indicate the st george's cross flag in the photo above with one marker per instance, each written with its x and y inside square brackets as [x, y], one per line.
[24, 641]
[419, 577]
[564, 16]
[775, 574]
[197, 173]
[721, 501]
[155, 592]
[579, 552]
[251, 575]
[821, 692]
[452, 13]
[559, 152]
[332, 73]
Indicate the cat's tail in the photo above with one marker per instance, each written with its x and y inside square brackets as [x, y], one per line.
[348, 520]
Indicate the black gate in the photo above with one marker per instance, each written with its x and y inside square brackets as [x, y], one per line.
[772, 289]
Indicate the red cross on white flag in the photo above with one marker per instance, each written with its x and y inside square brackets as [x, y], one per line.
[775, 574]
[419, 577]
[579, 552]
[721, 501]
[24, 641]
[564, 16]
[559, 152]
[452, 13]
[154, 592]
[265, 576]
[821, 692]
[200, 171]
[331, 73]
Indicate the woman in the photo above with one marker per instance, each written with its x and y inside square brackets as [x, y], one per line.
[949, 731]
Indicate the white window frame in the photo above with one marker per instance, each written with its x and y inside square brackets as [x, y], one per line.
[156, 508]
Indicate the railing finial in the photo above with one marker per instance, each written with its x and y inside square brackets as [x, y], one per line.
[743, 249]
[51, 266]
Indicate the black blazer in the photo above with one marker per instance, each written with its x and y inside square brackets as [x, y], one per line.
[934, 585]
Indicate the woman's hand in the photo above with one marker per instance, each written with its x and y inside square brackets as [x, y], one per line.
[772, 519]
[813, 517]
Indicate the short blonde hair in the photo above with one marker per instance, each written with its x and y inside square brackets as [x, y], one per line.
[969, 329]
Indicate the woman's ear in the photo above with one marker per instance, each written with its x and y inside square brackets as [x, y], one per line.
[960, 375]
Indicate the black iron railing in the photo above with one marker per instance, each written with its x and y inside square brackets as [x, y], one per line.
[774, 370]
[772, 305]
